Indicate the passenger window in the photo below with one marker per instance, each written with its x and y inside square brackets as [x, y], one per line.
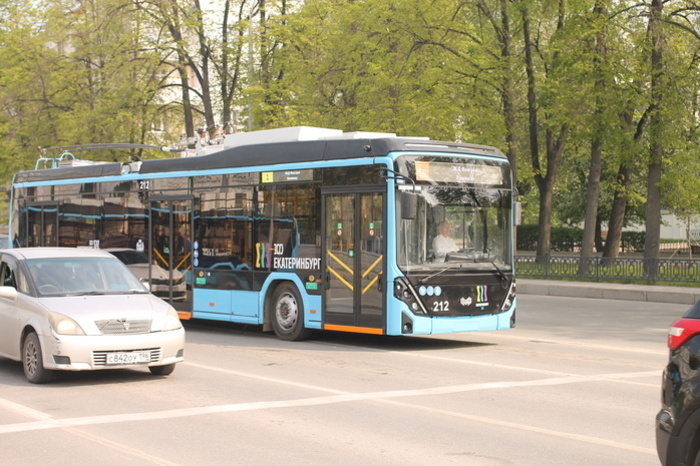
[22, 283]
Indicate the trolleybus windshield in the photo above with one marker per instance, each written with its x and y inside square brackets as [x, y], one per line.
[462, 216]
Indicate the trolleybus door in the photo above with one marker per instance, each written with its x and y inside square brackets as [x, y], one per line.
[170, 253]
[354, 262]
[42, 224]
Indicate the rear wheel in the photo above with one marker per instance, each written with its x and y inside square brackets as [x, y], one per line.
[33, 361]
[162, 370]
[287, 314]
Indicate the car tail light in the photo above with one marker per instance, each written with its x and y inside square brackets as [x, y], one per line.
[681, 331]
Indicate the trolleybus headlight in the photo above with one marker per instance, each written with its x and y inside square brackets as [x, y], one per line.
[404, 292]
[510, 297]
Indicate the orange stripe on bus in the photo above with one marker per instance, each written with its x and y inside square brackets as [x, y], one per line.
[348, 328]
[184, 315]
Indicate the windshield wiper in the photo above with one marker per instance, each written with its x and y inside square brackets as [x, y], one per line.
[439, 272]
[499, 272]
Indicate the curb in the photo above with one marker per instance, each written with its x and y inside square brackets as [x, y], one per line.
[611, 291]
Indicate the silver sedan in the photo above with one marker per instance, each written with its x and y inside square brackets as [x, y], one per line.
[82, 309]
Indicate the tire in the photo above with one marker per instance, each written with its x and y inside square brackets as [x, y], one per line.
[33, 361]
[162, 370]
[287, 314]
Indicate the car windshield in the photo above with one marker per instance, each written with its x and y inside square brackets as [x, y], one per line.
[130, 257]
[464, 227]
[81, 276]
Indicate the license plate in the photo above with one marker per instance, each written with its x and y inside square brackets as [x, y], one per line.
[134, 357]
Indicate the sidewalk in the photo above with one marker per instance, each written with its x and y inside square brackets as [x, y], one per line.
[650, 293]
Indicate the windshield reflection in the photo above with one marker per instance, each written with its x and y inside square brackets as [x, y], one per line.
[457, 227]
[82, 276]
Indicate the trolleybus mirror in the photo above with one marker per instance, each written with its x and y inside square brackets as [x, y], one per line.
[409, 205]
[518, 208]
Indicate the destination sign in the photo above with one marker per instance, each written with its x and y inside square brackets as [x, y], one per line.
[286, 175]
[447, 172]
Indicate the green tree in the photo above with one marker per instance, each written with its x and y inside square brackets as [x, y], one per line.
[369, 66]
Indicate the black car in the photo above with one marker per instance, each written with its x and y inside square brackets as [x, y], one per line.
[678, 422]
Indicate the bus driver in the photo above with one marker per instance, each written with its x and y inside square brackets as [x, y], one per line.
[443, 244]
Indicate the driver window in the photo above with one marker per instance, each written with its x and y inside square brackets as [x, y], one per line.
[8, 276]
[12, 276]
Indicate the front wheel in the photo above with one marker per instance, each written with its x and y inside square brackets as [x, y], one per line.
[33, 361]
[162, 370]
[287, 316]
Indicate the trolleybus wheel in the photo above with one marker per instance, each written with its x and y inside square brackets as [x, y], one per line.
[287, 315]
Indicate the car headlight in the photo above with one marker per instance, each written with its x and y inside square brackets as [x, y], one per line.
[64, 325]
[172, 320]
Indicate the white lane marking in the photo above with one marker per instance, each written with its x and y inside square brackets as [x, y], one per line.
[44, 417]
[344, 397]
[23, 410]
[614, 377]
[265, 378]
[540, 430]
[534, 339]
[653, 373]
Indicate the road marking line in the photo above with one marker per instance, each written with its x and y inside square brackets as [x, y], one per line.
[338, 396]
[652, 373]
[44, 417]
[533, 339]
[265, 378]
[539, 430]
[23, 410]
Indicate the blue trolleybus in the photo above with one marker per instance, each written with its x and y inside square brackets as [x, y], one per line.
[297, 229]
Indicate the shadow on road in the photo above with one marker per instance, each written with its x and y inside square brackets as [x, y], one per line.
[226, 333]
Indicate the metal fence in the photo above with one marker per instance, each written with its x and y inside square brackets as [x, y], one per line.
[629, 269]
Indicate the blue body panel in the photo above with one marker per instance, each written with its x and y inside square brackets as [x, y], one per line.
[247, 307]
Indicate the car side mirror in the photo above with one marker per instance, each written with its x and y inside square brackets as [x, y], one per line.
[8, 292]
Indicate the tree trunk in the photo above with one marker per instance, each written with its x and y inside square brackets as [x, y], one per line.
[171, 17]
[531, 92]
[508, 90]
[598, 234]
[186, 106]
[617, 214]
[544, 230]
[592, 193]
[596, 165]
[554, 145]
[653, 209]
[555, 150]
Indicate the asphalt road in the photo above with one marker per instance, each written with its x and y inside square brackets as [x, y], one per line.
[577, 383]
